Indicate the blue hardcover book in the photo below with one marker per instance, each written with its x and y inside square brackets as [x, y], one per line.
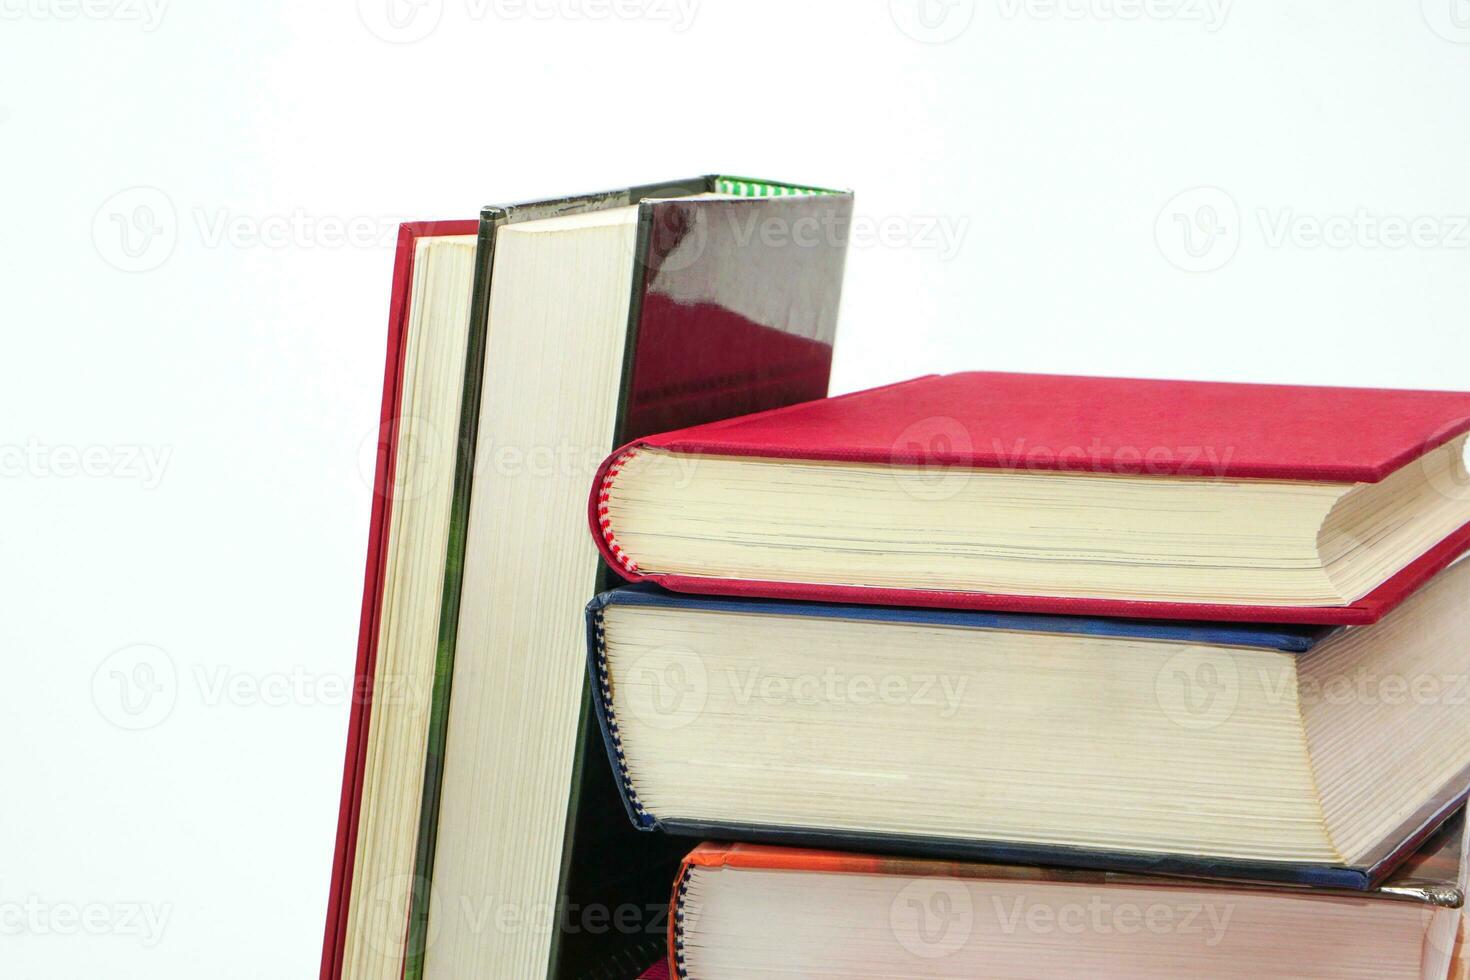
[1298, 755]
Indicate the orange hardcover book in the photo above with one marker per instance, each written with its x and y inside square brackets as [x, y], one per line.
[747, 909]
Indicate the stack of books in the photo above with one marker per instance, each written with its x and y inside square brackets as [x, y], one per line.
[972, 675]
[1027, 676]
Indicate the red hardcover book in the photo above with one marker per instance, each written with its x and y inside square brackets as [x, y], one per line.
[659, 971]
[389, 431]
[1050, 494]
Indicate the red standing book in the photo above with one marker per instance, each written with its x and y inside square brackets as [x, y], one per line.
[399, 483]
[1051, 494]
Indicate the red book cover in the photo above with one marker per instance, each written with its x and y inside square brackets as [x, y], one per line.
[372, 592]
[983, 420]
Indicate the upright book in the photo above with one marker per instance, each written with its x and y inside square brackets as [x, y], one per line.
[1300, 755]
[521, 348]
[408, 540]
[1034, 493]
[745, 910]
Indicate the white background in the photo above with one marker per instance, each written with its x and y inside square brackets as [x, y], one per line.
[193, 353]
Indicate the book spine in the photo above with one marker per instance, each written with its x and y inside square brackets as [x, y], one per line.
[677, 966]
[597, 676]
[602, 529]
